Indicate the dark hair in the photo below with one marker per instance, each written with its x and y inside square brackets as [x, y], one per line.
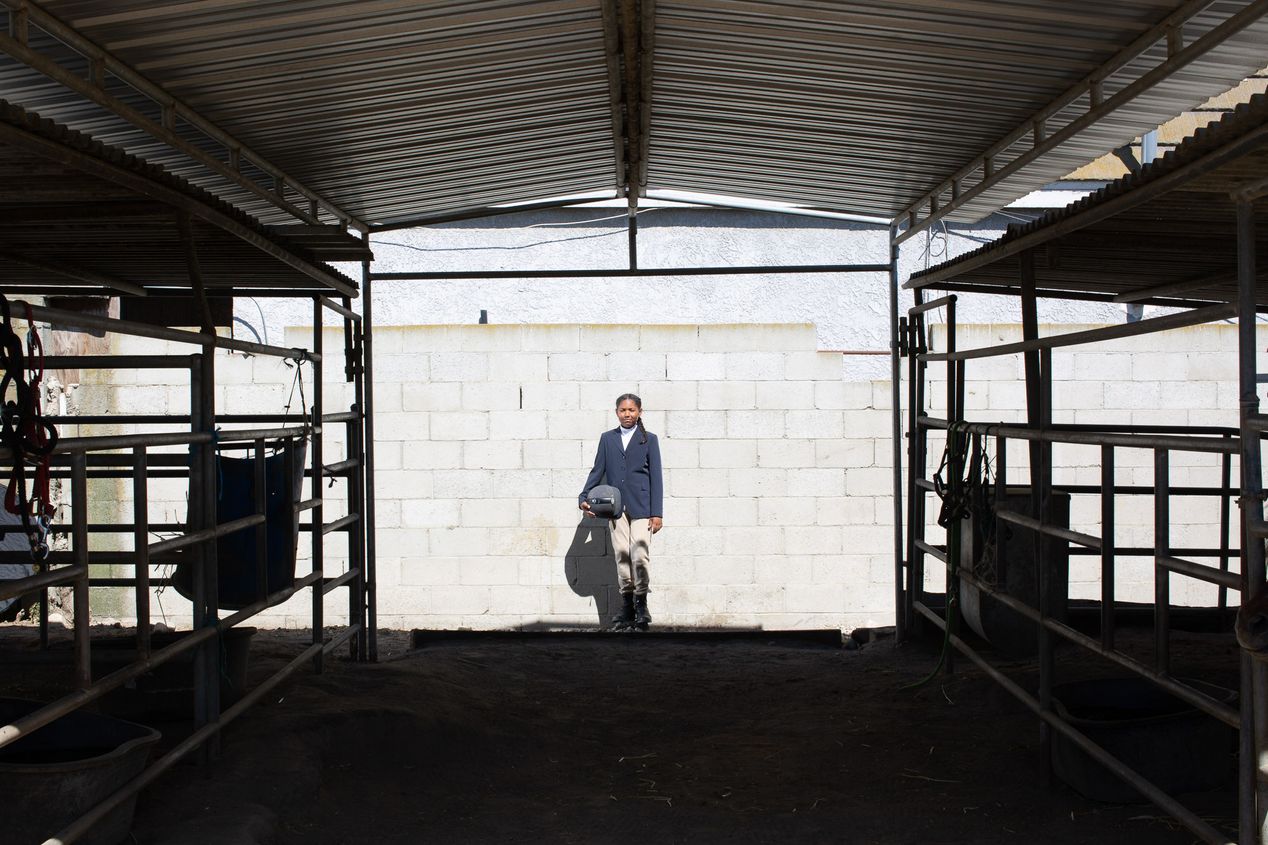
[638, 403]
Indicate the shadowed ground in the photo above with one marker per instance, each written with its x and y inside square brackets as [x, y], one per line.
[634, 740]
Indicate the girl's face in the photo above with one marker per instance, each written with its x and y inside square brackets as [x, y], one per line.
[627, 412]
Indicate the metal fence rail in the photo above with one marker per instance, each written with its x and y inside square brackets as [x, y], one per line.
[1205, 563]
[136, 457]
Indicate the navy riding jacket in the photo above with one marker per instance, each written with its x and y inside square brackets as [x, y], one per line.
[634, 471]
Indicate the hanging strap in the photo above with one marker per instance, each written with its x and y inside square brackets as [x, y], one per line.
[24, 432]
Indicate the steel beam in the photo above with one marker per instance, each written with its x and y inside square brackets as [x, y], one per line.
[1099, 108]
[102, 61]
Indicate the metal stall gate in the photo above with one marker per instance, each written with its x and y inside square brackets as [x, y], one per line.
[1187, 224]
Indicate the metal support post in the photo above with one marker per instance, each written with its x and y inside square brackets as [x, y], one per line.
[1162, 550]
[1107, 547]
[141, 547]
[83, 616]
[896, 436]
[202, 517]
[1252, 505]
[318, 482]
[356, 501]
[367, 516]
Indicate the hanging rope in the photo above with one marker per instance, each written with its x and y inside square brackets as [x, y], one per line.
[24, 432]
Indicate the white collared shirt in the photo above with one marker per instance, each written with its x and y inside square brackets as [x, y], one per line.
[626, 435]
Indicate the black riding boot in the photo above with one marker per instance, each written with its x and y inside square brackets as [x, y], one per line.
[625, 618]
[641, 617]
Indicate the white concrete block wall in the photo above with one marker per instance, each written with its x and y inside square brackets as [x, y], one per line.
[1182, 377]
[777, 468]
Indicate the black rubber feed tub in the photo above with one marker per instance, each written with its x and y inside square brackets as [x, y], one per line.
[1167, 741]
[56, 774]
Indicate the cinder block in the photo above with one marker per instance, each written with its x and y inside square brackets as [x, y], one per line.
[785, 453]
[753, 540]
[427, 454]
[766, 337]
[754, 598]
[842, 395]
[518, 366]
[550, 338]
[459, 541]
[611, 338]
[667, 338]
[577, 425]
[755, 423]
[600, 396]
[636, 366]
[541, 512]
[491, 337]
[679, 454]
[728, 510]
[814, 598]
[492, 454]
[490, 513]
[1102, 366]
[759, 482]
[726, 569]
[812, 366]
[695, 425]
[387, 514]
[459, 366]
[696, 482]
[490, 396]
[387, 397]
[430, 513]
[517, 425]
[688, 541]
[871, 539]
[784, 395]
[401, 542]
[869, 424]
[845, 453]
[682, 512]
[435, 396]
[530, 600]
[727, 453]
[814, 424]
[691, 600]
[402, 426]
[577, 366]
[812, 540]
[458, 425]
[521, 542]
[755, 366]
[727, 395]
[851, 570]
[845, 510]
[558, 396]
[552, 454]
[1133, 395]
[462, 484]
[408, 367]
[783, 569]
[816, 482]
[695, 366]
[1186, 395]
[461, 601]
[488, 571]
[669, 395]
[786, 510]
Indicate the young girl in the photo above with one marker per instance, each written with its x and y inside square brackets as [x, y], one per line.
[629, 460]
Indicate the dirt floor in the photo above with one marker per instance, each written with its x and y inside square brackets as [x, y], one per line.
[634, 739]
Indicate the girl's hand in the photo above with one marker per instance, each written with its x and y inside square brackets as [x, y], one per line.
[585, 506]
[654, 524]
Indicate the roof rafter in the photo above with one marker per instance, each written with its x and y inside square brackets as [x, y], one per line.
[24, 13]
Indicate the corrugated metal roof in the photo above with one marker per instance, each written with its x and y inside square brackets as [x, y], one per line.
[77, 213]
[395, 109]
[1166, 232]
